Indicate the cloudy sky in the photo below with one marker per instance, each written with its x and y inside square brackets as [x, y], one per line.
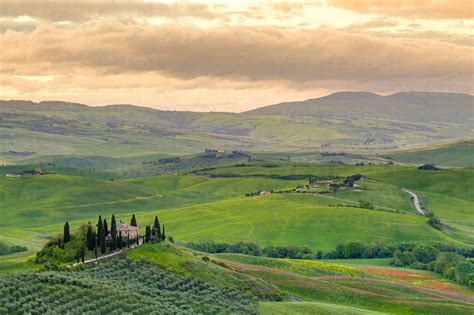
[231, 55]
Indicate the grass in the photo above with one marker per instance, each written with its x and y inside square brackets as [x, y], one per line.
[198, 208]
[292, 220]
[386, 290]
[459, 154]
[300, 308]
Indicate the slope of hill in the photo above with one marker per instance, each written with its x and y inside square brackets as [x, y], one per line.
[408, 106]
[353, 122]
[460, 154]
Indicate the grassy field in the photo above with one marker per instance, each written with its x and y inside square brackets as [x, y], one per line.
[201, 208]
[340, 286]
[459, 154]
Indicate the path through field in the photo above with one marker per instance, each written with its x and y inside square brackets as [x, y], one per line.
[416, 201]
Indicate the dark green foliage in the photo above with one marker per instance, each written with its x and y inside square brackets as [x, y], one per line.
[66, 233]
[113, 232]
[448, 264]
[106, 228]
[366, 205]
[425, 254]
[5, 249]
[99, 231]
[163, 234]
[463, 269]
[156, 227]
[147, 233]
[428, 167]
[118, 286]
[120, 240]
[435, 222]
[133, 221]
[90, 238]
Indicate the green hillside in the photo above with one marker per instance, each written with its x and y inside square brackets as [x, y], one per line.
[200, 208]
[31, 130]
[459, 154]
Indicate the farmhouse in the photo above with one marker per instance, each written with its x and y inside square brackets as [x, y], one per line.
[128, 230]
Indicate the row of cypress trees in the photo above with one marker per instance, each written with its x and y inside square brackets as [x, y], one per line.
[101, 237]
[155, 233]
[104, 237]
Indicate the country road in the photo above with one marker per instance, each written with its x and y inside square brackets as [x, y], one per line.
[416, 201]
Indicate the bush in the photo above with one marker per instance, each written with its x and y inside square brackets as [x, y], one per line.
[425, 254]
[5, 249]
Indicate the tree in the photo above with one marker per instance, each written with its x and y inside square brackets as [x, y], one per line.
[435, 222]
[113, 232]
[463, 269]
[163, 235]
[133, 222]
[156, 227]
[106, 228]
[67, 234]
[128, 240]
[90, 238]
[101, 236]
[99, 231]
[147, 234]
[120, 240]
[425, 253]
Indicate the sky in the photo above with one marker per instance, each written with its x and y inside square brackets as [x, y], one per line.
[231, 55]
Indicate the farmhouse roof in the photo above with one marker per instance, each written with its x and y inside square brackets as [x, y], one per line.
[126, 227]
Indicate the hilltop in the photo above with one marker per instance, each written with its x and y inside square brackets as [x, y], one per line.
[342, 122]
[405, 106]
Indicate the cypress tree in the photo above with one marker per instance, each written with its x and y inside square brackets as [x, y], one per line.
[128, 240]
[133, 222]
[99, 231]
[147, 234]
[120, 240]
[103, 249]
[106, 228]
[156, 227]
[67, 234]
[113, 232]
[89, 238]
[163, 235]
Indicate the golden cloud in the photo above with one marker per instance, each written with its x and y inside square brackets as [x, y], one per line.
[244, 53]
[80, 11]
[431, 9]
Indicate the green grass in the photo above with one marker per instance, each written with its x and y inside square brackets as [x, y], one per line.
[292, 220]
[300, 308]
[458, 154]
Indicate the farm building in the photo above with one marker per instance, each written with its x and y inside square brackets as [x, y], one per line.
[128, 230]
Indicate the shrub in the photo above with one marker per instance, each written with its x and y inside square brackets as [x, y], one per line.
[425, 254]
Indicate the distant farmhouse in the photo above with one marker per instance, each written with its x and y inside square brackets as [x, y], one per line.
[34, 172]
[128, 230]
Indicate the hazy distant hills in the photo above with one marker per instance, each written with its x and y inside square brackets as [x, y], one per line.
[345, 121]
[406, 106]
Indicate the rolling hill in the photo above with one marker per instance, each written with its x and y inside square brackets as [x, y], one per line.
[352, 122]
[407, 106]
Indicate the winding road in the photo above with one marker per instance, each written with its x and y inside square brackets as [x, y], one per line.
[416, 201]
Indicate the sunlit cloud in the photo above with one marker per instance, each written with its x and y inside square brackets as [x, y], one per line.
[236, 55]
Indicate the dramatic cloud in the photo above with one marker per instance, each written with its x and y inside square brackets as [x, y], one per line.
[77, 11]
[435, 9]
[242, 53]
[230, 55]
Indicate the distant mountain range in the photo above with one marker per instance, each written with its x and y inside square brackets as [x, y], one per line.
[344, 121]
[406, 106]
